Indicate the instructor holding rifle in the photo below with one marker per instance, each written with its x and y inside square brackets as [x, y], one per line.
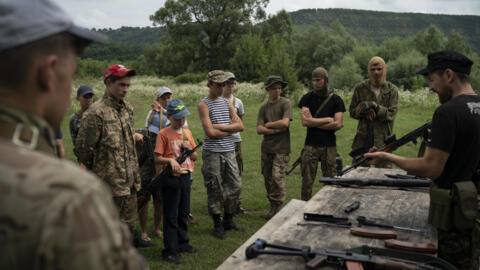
[451, 159]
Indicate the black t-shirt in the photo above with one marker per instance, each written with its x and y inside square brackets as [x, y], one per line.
[317, 136]
[456, 130]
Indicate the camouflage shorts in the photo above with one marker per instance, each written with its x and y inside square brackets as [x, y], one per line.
[311, 155]
[274, 167]
[222, 181]
[127, 209]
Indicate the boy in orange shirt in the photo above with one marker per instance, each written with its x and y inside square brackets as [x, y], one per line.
[175, 188]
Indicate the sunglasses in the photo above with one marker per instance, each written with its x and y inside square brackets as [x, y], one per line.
[88, 96]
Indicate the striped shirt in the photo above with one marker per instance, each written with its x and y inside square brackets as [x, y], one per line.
[219, 113]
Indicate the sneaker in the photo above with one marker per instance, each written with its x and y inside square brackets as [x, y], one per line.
[188, 249]
[172, 258]
[190, 219]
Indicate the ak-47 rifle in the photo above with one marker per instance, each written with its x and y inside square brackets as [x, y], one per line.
[317, 257]
[413, 182]
[391, 144]
[295, 164]
[157, 180]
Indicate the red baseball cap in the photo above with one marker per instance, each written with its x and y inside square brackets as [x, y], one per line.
[118, 71]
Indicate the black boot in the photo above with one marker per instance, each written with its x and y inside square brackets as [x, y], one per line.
[228, 224]
[218, 231]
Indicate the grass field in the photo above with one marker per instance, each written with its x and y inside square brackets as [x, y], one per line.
[415, 109]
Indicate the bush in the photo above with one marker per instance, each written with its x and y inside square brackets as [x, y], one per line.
[402, 71]
[91, 67]
[190, 78]
[345, 74]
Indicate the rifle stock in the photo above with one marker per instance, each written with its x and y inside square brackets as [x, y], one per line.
[391, 145]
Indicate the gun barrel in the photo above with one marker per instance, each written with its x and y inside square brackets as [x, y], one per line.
[413, 182]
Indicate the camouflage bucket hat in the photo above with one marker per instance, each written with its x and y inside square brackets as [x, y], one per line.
[217, 76]
[272, 80]
[320, 72]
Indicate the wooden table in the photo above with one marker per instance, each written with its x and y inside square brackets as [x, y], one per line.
[406, 208]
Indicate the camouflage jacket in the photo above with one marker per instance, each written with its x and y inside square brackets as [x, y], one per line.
[374, 132]
[53, 214]
[105, 145]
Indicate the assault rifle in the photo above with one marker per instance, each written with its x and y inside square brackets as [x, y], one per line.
[391, 144]
[295, 164]
[317, 257]
[348, 182]
[156, 182]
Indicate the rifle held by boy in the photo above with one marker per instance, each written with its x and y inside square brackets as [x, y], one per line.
[156, 182]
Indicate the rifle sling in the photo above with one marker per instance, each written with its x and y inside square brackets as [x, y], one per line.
[324, 103]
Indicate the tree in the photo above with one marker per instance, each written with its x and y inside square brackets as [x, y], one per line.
[345, 74]
[279, 24]
[209, 27]
[401, 71]
[280, 62]
[431, 40]
[456, 42]
[250, 58]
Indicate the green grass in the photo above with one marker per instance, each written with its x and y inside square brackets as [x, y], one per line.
[415, 109]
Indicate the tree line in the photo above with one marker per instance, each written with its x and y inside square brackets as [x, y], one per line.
[237, 35]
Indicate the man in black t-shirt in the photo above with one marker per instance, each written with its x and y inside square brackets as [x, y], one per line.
[452, 158]
[320, 143]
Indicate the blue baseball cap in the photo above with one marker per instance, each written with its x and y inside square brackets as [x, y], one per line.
[25, 21]
[83, 90]
[177, 109]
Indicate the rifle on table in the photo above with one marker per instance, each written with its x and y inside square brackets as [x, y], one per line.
[317, 257]
[391, 144]
[295, 164]
[156, 182]
[348, 182]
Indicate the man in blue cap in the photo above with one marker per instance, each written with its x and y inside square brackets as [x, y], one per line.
[54, 214]
[85, 98]
[452, 159]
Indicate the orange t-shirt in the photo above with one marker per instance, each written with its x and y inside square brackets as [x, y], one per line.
[169, 145]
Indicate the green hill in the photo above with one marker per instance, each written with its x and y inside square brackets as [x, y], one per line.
[375, 26]
[127, 43]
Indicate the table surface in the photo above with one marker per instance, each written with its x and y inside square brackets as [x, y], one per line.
[400, 207]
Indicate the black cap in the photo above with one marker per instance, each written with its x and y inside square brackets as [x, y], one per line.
[83, 90]
[273, 79]
[447, 59]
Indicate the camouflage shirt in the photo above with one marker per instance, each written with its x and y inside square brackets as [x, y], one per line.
[374, 132]
[53, 214]
[105, 145]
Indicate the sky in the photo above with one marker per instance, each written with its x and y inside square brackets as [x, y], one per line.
[117, 13]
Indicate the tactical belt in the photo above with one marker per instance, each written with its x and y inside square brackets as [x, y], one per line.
[25, 135]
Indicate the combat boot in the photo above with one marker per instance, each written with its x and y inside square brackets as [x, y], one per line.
[218, 230]
[228, 224]
[274, 208]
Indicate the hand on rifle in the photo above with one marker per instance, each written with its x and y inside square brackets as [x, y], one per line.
[376, 157]
[175, 166]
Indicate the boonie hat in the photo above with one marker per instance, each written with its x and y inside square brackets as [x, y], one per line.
[217, 76]
[447, 59]
[25, 21]
[272, 80]
[229, 75]
[177, 109]
[118, 71]
[83, 90]
[163, 90]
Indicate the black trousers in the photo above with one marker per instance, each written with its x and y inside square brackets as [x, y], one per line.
[175, 213]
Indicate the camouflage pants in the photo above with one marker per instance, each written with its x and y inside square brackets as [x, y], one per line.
[274, 167]
[461, 249]
[222, 181]
[238, 157]
[311, 155]
[127, 209]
